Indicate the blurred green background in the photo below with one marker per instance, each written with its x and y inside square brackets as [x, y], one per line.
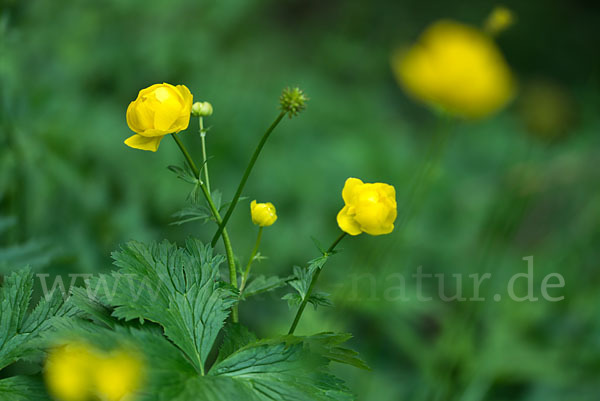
[525, 182]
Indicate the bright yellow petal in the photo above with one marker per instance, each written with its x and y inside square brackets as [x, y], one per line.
[347, 223]
[168, 107]
[144, 143]
[349, 189]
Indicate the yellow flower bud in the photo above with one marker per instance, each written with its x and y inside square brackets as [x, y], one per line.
[118, 375]
[456, 68]
[369, 208]
[499, 20]
[159, 110]
[68, 372]
[202, 109]
[263, 214]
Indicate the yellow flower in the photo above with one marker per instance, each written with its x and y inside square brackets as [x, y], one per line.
[159, 110]
[499, 20]
[68, 372]
[369, 208]
[457, 68]
[118, 375]
[263, 214]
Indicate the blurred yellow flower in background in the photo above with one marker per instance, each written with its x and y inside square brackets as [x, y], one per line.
[81, 372]
[118, 375]
[369, 208]
[456, 68]
[159, 110]
[68, 372]
[263, 214]
[499, 20]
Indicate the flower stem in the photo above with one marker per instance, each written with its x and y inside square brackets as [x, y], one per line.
[252, 256]
[187, 156]
[204, 158]
[312, 285]
[242, 183]
[217, 216]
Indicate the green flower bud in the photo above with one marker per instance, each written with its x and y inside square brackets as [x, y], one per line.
[293, 101]
[202, 109]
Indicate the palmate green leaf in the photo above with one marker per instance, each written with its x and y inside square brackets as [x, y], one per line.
[22, 388]
[178, 288]
[19, 330]
[286, 368]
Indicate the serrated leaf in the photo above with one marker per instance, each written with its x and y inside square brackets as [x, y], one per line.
[236, 337]
[22, 388]
[178, 288]
[184, 173]
[320, 299]
[91, 306]
[282, 369]
[317, 263]
[192, 213]
[328, 345]
[18, 329]
[263, 284]
[293, 299]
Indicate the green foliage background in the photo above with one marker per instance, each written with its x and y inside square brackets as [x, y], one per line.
[71, 192]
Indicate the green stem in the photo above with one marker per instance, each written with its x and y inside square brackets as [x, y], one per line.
[204, 158]
[217, 216]
[242, 183]
[252, 256]
[312, 286]
[187, 156]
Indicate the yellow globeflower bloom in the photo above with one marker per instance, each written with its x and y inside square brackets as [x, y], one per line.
[457, 68]
[118, 375]
[68, 372]
[263, 214]
[369, 208]
[159, 110]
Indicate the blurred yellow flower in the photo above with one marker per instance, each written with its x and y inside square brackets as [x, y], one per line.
[118, 375]
[68, 372]
[80, 372]
[263, 214]
[499, 19]
[456, 68]
[369, 208]
[159, 110]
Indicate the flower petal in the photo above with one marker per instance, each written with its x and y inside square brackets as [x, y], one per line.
[144, 143]
[347, 223]
[349, 189]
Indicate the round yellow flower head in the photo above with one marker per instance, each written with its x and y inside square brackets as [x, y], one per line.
[369, 208]
[456, 68]
[159, 110]
[118, 375]
[68, 372]
[263, 214]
